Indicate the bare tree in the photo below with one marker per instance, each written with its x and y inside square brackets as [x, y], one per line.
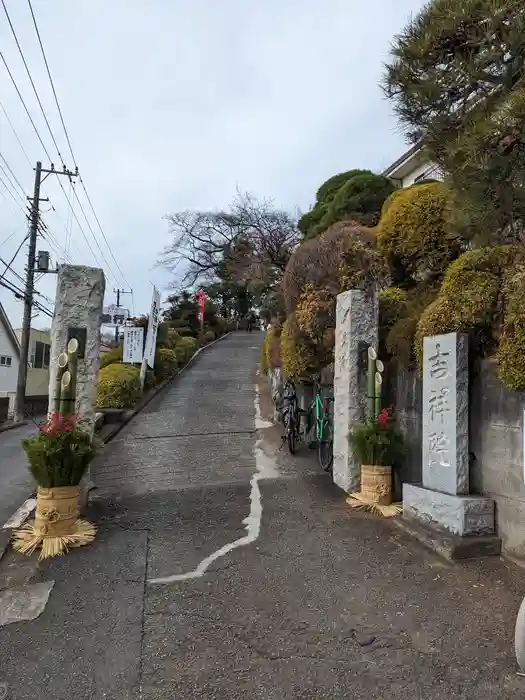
[251, 242]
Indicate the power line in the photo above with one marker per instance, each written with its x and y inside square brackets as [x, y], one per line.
[50, 237]
[20, 295]
[31, 81]
[8, 238]
[52, 135]
[91, 230]
[15, 133]
[8, 265]
[12, 174]
[51, 81]
[71, 148]
[25, 106]
[16, 201]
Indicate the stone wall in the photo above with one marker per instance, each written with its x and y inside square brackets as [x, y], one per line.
[496, 444]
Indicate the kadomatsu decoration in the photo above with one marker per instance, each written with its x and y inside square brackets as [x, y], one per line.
[58, 458]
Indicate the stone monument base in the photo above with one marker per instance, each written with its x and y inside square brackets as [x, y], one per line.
[457, 527]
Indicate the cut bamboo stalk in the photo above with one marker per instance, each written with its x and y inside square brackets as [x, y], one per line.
[378, 387]
[370, 402]
[65, 395]
[72, 365]
[61, 368]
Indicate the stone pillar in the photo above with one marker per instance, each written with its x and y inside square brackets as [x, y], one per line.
[443, 502]
[356, 329]
[78, 313]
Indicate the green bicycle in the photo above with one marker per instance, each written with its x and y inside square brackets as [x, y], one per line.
[318, 417]
[324, 429]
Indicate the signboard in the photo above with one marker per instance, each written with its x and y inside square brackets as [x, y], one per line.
[133, 345]
[114, 315]
[153, 326]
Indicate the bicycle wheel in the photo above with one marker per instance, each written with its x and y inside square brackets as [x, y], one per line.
[291, 434]
[325, 445]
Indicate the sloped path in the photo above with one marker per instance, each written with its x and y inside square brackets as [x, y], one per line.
[304, 600]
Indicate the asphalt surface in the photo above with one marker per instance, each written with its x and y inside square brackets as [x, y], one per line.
[16, 483]
[320, 602]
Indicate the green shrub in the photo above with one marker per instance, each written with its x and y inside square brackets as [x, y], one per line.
[360, 199]
[118, 386]
[110, 357]
[399, 341]
[150, 379]
[298, 356]
[173, 338]
[414, 234]
[60, 453]
[163, 335]
[328, 190]
[311, 219]
[511, 349]
[469, 300]
[273, 346]
[208, 337]
[185, 332]
[392, 306]
[263, 361]
[186, 348]
[165, 363]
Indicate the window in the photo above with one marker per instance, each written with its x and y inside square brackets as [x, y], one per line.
[41, 357]
[5, 361]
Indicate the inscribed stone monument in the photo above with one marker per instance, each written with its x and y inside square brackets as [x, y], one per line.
[356, 328]
[78, 305]
[444, 500]
[445, 413]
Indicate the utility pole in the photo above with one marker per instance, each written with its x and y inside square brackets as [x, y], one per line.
[30, 284]
[118, 292]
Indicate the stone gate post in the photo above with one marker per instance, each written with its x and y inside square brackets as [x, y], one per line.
[356, 329]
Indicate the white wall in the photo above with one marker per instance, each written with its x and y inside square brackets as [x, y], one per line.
[8, 375]
[427, 169]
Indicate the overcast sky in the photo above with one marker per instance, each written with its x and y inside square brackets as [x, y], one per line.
[172, 104]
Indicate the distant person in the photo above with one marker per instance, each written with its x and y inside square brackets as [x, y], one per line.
[250, 321]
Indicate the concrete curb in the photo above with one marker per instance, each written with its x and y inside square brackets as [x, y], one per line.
[12, 426]
[155, 391]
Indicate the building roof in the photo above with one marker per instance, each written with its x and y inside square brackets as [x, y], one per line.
[6, 323]
[401, 167]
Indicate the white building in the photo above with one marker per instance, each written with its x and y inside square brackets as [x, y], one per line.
[413, 167]
[9, 359]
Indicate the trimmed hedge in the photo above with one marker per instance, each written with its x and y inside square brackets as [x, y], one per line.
[112, 356]
[208, 337]
[483, 295]
[118, 386]
[511, 350]
[414, 233]
[165, 363]
[186, 347]
[273, 346]
[263, 361]
[298, 356]
[468, 299]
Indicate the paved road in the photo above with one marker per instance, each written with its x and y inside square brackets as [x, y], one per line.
[15, 481]
[277, 591]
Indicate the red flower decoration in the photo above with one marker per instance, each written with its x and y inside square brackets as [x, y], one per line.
[58, 424]
[382, 419]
